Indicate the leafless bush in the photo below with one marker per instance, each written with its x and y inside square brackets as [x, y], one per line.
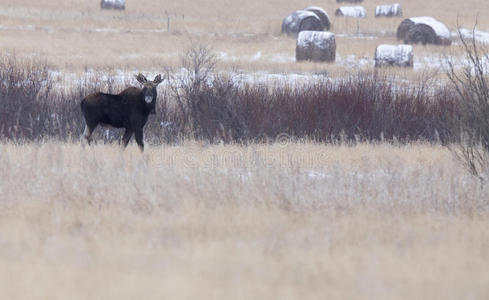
[25, 86]
[203, 104]
[471, 84]
[205, 99]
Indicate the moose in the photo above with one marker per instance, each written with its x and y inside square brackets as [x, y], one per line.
[129, 109]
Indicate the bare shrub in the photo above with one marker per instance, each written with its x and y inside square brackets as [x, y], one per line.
[199, 103]
[25, 87]
[471, 84]
[205, 99]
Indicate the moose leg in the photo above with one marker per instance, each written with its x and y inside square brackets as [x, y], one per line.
[87, 133]
[126, 137]
[138, 134]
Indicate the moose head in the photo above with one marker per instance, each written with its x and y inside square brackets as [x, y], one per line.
[149, 90]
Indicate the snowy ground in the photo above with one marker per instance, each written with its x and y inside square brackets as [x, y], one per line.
[435, 61]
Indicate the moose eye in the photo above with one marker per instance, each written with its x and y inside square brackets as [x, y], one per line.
[148, 99]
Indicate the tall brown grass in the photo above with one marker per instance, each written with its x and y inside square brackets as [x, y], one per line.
[232, 222]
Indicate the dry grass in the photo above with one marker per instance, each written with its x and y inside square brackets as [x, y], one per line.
[74, 35]
[232, 222]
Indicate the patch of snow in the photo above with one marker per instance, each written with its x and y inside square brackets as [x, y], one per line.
[105, 30]
[226, 57]
[276, 57]
[165, 124]
[353, 61]
[353, 11]
[257, 56]
[439, 28]
[361, 35]
[290, 79]
[479, 36]
[318, 175]
[281, 58]
[315, 8]
[437, 62]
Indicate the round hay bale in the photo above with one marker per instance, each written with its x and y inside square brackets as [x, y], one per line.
[113, 4]
[403, 28]
[425, 30]
[315, 46]
[301, 20]
[351, 12]
[421, 34]
[392, 10]
[394, 55]
[323, 16]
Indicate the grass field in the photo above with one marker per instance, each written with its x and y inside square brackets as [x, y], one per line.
[75, 35]
[287, 221]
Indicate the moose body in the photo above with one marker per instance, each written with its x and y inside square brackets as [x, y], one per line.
[129, 109]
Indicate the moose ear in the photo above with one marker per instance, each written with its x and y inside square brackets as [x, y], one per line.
[140, 77]
[158, 79]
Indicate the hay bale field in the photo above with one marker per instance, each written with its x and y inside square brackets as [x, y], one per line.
[246, 35]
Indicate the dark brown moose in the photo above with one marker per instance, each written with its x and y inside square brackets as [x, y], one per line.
[129, 109]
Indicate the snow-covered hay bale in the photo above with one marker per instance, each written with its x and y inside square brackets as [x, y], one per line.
[394, 55]
[403, 28]
[113, 4]
[390, 10]
[301, 20]
[323, 16]
[315, 46]
[421, 34]
[424, 30]
[351, 1]
[351, 11]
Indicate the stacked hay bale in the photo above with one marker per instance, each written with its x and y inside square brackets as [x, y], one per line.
[315, 46]
[113, 4]
[394, 55]
[351, 11]
[424, 30]
[301, 20]
[392, 10]
[323, 16]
